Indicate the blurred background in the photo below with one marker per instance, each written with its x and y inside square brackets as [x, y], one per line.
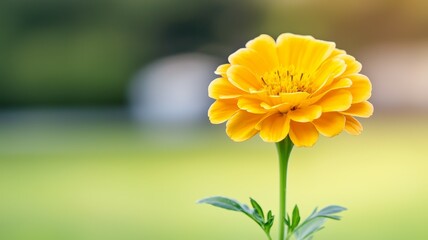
[104, 134]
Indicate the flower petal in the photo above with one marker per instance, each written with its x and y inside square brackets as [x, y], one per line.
[352, 65]
[265, 46]
[361, 88]
[336, 84]
[251, 104]
[275, 128]
[303, 134]
[353, 126]
[306, 114]
[250, 59]
[303, 52]
[222, 88]
[242, 125]
[243, 78]
[221, 110]
[330, 124]
[337, 100]
[327, 72]
[362, 109]
[285, 101]
[222, 69]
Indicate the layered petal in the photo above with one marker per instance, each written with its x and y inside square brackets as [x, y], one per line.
[303, 52]
[330, 124]
[352, 65]
[222, 69]
[361, 88]
[337, 84]
[242, 78]
[222, 110]
[275, 127]
[307, 114]
[362, 109]
[284, 102]
[242, 125]
[303, 134]
[337, 100]
[222, 88]
[251, 104]
[265, 46]
[250, 59]
[328, 71]
[353, 126]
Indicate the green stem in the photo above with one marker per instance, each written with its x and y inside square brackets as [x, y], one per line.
[284, 148]
[269, 237]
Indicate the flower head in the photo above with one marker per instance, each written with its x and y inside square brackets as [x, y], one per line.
[297, 86]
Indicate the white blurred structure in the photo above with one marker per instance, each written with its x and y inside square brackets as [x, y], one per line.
[399, 73]
[173, 90]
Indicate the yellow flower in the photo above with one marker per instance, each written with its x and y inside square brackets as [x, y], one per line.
[297, 86]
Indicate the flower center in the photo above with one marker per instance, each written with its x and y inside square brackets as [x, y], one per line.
[286, 80]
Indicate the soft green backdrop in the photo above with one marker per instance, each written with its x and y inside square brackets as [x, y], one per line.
[110, 180]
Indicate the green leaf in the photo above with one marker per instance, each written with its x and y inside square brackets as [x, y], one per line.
[223, 202]
[231, 204]
[257, 208]
[269, 222]
[296, 218]
[287, 221]
[315, 222]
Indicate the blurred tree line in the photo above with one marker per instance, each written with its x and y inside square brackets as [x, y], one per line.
[69, 52]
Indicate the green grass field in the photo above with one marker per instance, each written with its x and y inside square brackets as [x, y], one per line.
[108, 180]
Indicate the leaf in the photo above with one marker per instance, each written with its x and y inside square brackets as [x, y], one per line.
[287, 221]
[311, 227]
[269, 222]
[223, 202]
[257, 208]
[315, 222]
[231, 204]
[295, 218]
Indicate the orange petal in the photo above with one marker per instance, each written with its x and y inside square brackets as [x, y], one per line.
[352, 65]
[330, 124]
[306, 114]
[285, 101]
[250, 59]
[303, 134]
[361, 88]
[353, 126]
[242, 78]
[327, 72]
[362, 109]
[242, 125]
[336, 100]
[265, 46]
[304, 52]
[275, 128]
[336, 84]
[252, 105]
[222, 69]
[222, 88]
[221, 110]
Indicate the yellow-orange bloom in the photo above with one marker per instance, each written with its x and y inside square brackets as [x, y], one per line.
[297, 86]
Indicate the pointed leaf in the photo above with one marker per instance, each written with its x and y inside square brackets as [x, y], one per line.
[234, 205]
[257, 208]
[315, 222]
[223, 202]
[296, 218]
[287, 221]
[313, 226]
[269, 222]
